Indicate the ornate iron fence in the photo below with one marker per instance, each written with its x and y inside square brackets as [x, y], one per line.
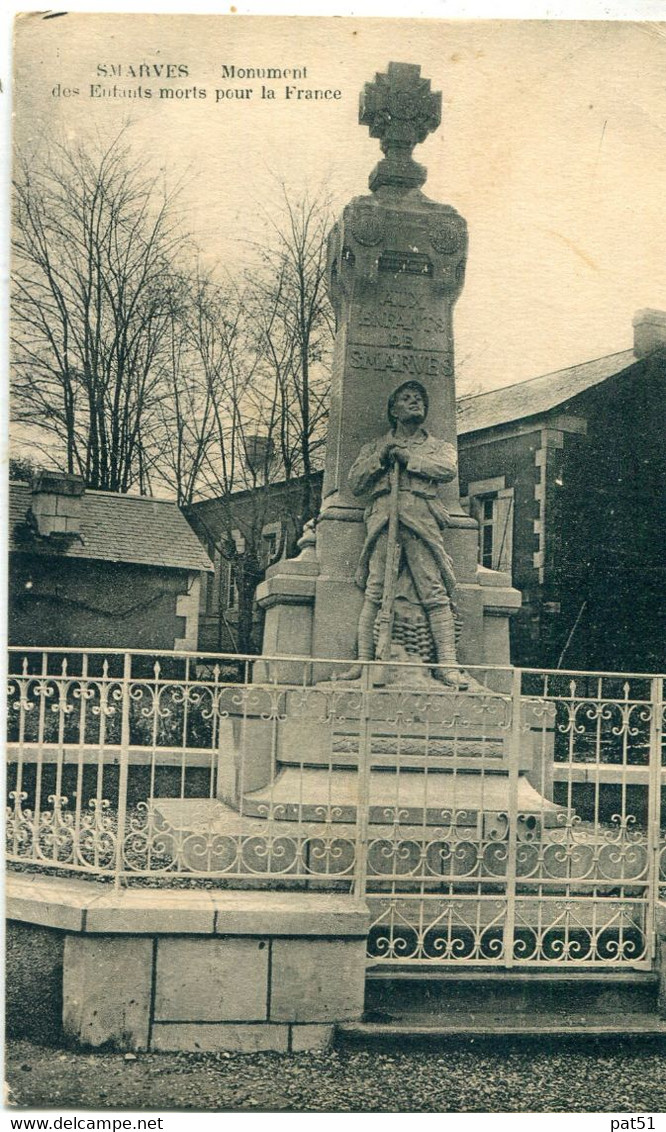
[514, 821]
[558, 862]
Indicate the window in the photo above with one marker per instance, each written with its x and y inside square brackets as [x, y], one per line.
[213, 583]
[232, 586]
[491, 504]
[239, 541]
[270, 542]
[487, 520]
[270, 547]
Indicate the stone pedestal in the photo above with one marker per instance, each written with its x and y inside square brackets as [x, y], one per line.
[287, 595]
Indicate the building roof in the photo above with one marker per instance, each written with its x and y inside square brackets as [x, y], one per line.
[121, 528]
[536, 395]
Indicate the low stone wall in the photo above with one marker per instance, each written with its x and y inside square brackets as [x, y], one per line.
[158, 969]
[33, 986]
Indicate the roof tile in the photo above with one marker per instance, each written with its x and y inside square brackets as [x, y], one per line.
[124, 528]
[537, 394]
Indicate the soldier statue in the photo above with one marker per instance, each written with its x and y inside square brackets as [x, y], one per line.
[414, 464]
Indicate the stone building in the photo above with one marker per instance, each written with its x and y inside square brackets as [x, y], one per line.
[98, 569]
[265, 521]
[565, 474]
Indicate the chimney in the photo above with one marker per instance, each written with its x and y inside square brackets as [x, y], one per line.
[649, 332]
[56, 503]
[260, 451]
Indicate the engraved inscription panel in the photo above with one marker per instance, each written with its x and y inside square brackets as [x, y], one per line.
[400, 311]
[401, 363]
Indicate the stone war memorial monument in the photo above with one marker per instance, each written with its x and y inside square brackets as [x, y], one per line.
[396, 265]
[379, 788]
[395, 709]
[389, 573]
[393, 720]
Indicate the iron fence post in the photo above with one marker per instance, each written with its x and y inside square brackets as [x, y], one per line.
[512, 847]
[654, 804]
[124, 766]
[363, 790]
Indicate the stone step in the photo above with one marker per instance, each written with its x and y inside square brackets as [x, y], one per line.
[416, 972]
[305, 792]
[429, 994]
[488, 1025]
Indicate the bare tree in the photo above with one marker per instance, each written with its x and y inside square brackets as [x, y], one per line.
[132, 365]
[295, 327]
[225, 421]
[185, 425]
[248, 410]
[95, 241]
[280, 394]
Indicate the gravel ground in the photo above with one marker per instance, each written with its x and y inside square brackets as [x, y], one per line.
[458, 1078]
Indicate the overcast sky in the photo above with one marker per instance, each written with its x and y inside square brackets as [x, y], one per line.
[551, 145]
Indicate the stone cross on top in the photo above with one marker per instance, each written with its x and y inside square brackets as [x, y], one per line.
[401, 110]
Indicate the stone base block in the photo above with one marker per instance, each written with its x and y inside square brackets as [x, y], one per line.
[462, 544]
[311, 1037]
[211, 980]
[338, 603]
[246, 752]
[287, 632]
[211, 1037]
[250, 966]
[317, 980]
[107, 990]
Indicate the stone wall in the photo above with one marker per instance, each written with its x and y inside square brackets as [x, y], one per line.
[33, 983]
[147, 969]
[77, 603]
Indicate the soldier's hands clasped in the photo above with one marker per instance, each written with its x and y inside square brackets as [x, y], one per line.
[394, 454]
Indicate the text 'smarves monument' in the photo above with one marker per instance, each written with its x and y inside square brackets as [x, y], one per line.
[396, 266]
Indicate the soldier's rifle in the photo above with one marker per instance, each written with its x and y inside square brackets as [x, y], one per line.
[391, 571]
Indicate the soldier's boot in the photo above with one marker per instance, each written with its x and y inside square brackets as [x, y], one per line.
[366, 640]
[443, 629]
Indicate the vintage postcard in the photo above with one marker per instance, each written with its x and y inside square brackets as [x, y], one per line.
[336, 577]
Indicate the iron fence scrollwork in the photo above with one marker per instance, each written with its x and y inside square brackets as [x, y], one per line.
[516, 822]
